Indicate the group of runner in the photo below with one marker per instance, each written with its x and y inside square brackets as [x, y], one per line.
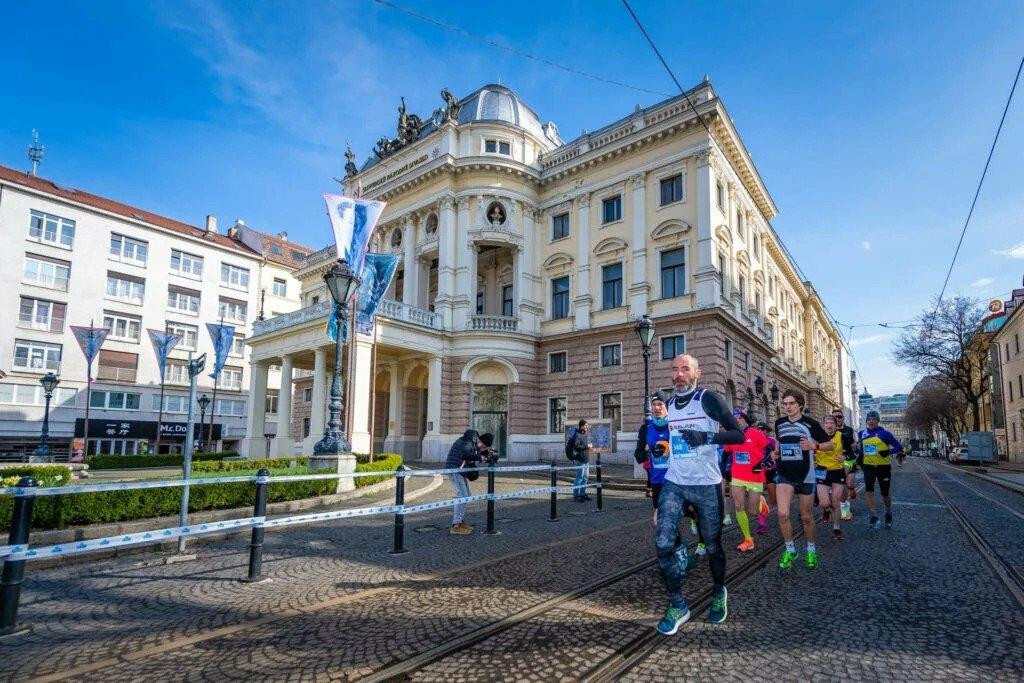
[696, 448]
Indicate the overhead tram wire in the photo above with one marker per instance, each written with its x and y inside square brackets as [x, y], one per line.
[977, 192]
[514, 50]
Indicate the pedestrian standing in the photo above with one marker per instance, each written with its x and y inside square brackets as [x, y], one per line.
[578, 448]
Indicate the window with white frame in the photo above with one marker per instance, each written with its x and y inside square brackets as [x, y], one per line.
[187, 265]
[556, 414]
[183, 300]
[176, 372]
[728, 350]
[44, 272]
[560, 298]
[746, 361]
[173, 403]
[36, 356]
[33, 395]
[230, 407]
[125, 288]
[672, 189]
[673, 346]
[611, 209]
[673, 273]
[497, 147]
[189, 336]
[49, 229]
[611, 409]
[232, 310]
[558, 361]
[122, 327]
[128, 249]
[230, 378]
[307, 394]
[739, 225]
[234, 276]
[115, 400]
[280, 287]
[39, 314]
[237, 345]
[743, 293]
[720, 194]
[270, 406]
[559, 226]
[611, 355]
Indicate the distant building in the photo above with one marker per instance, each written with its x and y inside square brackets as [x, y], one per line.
[891, 409]
[1008, 375]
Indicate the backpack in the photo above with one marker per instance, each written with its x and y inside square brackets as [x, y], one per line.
[570, 452]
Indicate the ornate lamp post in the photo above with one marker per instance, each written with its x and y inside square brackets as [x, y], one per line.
[42, 451]
[645, 330]
[342, 284]
[775, 397]
[204, 403]
[759, 386]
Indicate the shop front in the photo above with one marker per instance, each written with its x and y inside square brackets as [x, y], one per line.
[138, 437]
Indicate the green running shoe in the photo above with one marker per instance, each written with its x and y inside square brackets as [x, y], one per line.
[719, 605]
[812, 559]
[673, 619]
[701, 550]
[787, 559]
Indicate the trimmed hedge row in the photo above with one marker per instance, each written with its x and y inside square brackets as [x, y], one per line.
[239, 465]
[128, 462]
[46, 475]
[385, 462]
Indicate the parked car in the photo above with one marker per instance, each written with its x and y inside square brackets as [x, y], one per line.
[959, 454]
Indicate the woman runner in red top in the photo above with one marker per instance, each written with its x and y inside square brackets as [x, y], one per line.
[747, 475]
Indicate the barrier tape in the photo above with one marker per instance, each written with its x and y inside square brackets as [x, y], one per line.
[324, 516]
[510, 468]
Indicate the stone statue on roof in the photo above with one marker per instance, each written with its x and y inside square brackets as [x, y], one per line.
[350, 164]
[451, 105]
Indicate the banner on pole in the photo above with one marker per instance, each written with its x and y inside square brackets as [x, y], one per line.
[352, 221]
[163, 344]
[378, 272]
[90, 339]
[223, 336]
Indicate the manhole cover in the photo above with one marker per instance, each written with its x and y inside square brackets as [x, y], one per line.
[426, 529]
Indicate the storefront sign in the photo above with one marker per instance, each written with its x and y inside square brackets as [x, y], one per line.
[140, 429]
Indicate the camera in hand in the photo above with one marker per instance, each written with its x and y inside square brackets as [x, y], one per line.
[488, 455]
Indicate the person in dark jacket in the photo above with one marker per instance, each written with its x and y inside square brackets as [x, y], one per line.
[465, 452]
[577, 448]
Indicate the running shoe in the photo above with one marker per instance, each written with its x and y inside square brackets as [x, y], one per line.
[837, 534]
[788, 556]
[853, 494]
[874, 523]
[746, 546]
[701, 550]
[727, 520]
[826, 517]
[719, 609]
[888, 520]
[673, 619]
[844, 512]
[685, 561]
[812, 559]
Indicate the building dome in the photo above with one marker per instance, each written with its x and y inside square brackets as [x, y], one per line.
[498, 103]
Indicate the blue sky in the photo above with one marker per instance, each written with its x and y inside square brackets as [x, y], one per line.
[869, 122]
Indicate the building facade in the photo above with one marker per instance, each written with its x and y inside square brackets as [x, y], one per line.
[76, 258]
[891, 410]
[526, 260]
[1007, 345]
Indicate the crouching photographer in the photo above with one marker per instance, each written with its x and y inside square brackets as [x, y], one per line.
[468, 451]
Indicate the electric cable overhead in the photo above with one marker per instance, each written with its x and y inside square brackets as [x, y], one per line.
[513, 50]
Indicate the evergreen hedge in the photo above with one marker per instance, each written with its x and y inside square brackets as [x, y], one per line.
[128, 462]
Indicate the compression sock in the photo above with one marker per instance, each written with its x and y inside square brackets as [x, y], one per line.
[811, 548]
[744, 522]
[791, 546]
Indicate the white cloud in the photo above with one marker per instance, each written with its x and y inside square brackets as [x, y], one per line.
[1016, 251]
[983, 282]
[866, 245]
[873, 339]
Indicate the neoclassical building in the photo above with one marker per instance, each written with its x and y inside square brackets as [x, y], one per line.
[525, 261]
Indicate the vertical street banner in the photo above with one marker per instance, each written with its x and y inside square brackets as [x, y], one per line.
[90, 339]
[163, 344]
[352, 221]
[223, 336]
[378, 272]
[332, 326]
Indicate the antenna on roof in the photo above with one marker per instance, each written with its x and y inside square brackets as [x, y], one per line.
[35, 152]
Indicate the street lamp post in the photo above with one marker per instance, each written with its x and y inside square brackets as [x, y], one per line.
[645, 331]
[775, 397]
[42, 452]
[204, 403]
[342, 284]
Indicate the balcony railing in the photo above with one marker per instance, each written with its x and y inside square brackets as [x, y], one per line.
[303, 315]
[493, 323]
[396, 310]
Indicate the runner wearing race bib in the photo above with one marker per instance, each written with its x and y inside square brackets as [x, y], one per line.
[849, 464]
[831, 478]
[747, 475]
[876, 446]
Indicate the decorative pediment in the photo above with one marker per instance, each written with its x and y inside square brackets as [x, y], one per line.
[773, 312]
[610, 246]
[759, 276]
[723, 233]
[559, 260]
[743, 257]
[672, 228]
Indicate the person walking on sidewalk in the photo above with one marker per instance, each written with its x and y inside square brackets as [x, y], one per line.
[693, 477]
[578, 448]
[464, 453]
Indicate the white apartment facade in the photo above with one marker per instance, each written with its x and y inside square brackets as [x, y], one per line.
[74, 258]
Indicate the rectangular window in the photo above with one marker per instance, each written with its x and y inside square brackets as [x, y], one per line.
[235, 277]
[238, 345]
[507, 301]
[123, 327]
[230, 378]
[230, 407]
[233, 311]
[36, 356]
[739, 224]
[271, 405]
[557, 362]
[746, 361]
[307, 394]
[1014, 431]
[743, 294]
[172, 403]
[673, 346]
[556, 415]
[612, 209]
[32, 395]
[560, 226]
[186, 265]
[39, 314]
[1016, 341]
[117, 366]
[116, 400]
[769, 330]
[128, 250]
[671, 189]
[728, 350]
[46, 272]
[560, 298]
[504, 147]
[721, 269]
[611, 286]
[125, 288]
[183, 300]
[280, 287]
[305, 427]
[189, 336]
[176, 372]
[611, 355]
[491, 146]
[1009, 385]
[757, 302]
[480, 302]
[49, 229]
[611, 409]
[1020, 385]
[720, 195]
[673, 273]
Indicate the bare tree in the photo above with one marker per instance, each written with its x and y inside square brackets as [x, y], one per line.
[946, 342]
[933, 403]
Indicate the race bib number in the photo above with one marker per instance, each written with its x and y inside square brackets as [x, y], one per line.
[870, 449]
[680, 449]
[819, 473]
[742, 458]
[790, 451]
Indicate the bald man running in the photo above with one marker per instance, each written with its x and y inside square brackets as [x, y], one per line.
[693, 478]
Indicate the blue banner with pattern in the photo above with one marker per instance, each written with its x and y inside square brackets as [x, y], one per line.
[223, 337]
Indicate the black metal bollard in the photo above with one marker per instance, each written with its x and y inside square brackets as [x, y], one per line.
[490, 500]
[554, 493]
[14, 570]
[256, 544]
[597, 469]
[399, 516]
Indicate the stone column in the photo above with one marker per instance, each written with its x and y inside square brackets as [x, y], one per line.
[706, 275]
[435, 442]
[318, 401]
[446, 262]
[254, 445]
[411, 278]
[583, 300]
[362, 381]
[640, 288]
[393, 441]
[283, 445]
[465, 266]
